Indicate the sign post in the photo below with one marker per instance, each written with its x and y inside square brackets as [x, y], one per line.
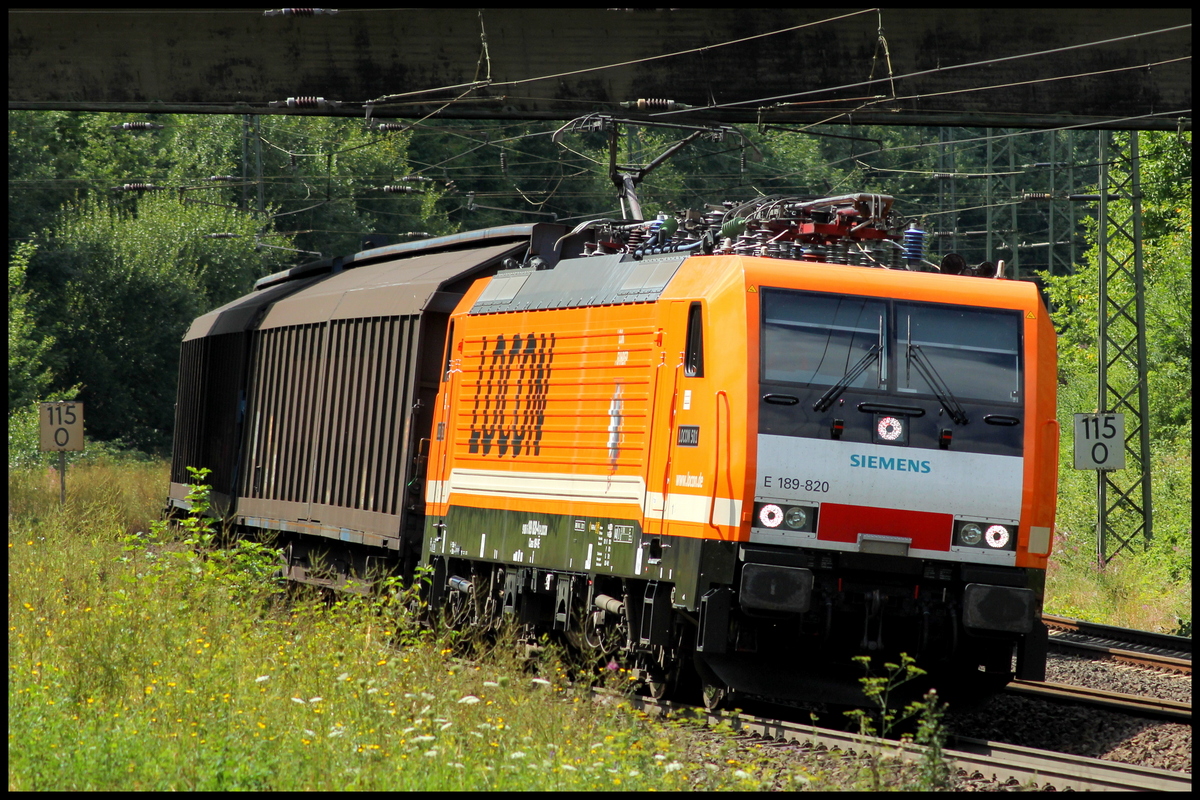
[61, 429]
[1100, 441]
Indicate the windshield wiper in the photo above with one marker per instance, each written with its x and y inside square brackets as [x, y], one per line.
[835, 391]
[940, 390]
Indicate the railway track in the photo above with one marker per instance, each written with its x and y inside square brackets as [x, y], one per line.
[1114, 701]
[992, 760]
[1155, 650]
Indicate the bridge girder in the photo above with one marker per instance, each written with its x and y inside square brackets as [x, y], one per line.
[238, 61]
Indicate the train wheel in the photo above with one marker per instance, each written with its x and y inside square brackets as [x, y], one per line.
[714, 696]
[663, 684]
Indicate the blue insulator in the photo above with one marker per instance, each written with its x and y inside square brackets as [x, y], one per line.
[914, 243]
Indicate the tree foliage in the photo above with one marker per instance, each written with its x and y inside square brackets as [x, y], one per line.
[27, 375]
[1166, 191]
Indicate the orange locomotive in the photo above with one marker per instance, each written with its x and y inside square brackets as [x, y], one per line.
[741, 447]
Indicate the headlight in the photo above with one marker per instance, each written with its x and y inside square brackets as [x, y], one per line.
[770, 515]
[996, 536]
[795, 518]
[985, 534]
[785, 518]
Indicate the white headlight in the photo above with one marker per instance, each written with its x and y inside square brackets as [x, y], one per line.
[996, 536]
[890, 429]
[770, 515]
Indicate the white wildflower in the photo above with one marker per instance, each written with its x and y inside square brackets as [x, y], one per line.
[407, 731]
[490, 683]
[659, 757]
[299, 700]
[425, 737]
[310, 733]
[469, 700]
[740, 773]
[431, 752]
[516, 754]
[337, 731]
[428, 696]
[568, 767]
[315, 699]
[540, 682]
[344, 676]
[674, 765]
[446, 726]
[373, 690]
[262, 678]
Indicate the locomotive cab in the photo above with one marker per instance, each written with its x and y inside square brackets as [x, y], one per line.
[902, 477]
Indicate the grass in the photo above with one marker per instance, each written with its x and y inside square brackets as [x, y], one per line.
[1143, 587]
[138, 663]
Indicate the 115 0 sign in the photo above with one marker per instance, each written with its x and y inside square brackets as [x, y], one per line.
[61, 426]
[1100, 441]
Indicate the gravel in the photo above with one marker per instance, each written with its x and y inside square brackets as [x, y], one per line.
[1085, 731]
[1015, 719]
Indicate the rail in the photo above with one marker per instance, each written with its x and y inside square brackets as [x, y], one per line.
[1115, 701]
[1144, 648]
[993, 760]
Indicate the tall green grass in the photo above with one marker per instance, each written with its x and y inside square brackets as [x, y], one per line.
[1147, 586]
[138, 662]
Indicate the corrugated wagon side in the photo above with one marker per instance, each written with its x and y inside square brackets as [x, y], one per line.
[310, 399]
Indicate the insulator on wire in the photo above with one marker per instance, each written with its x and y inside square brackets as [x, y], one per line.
[388, 127]
[226, 178]
[411, 178]
[503, 163]
[299, 12]
[654, 104]
[305, 102]
[138, 187]
[403, 190]
[221, 235]
[743, 160]
[1027, 196]
[137, 126]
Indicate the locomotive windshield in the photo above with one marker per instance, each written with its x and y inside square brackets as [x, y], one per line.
[975, 351]
[818, 339]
